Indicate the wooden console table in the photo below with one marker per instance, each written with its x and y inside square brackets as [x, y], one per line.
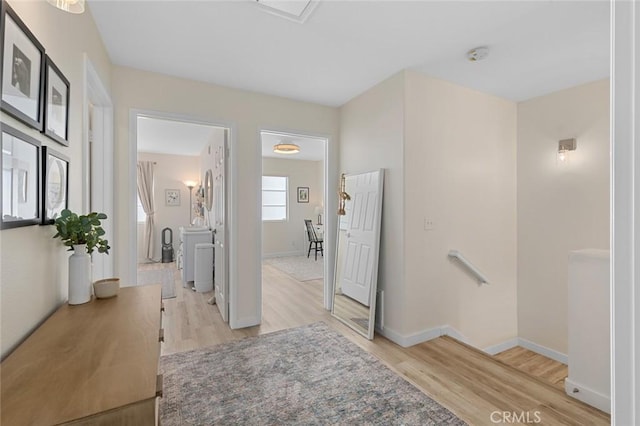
[95, 364]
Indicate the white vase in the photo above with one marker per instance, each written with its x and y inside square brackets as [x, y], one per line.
[79, 275]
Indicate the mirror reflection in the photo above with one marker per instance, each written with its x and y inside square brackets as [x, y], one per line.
[358, 241]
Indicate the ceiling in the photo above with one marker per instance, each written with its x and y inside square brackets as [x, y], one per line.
[162, 136]
[345, 47]
[311, 149]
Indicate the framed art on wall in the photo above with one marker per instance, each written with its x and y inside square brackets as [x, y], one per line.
[55, 184]
[172, 197]
[303, 194]
[20, 179]
[56, 110]
[22, 70]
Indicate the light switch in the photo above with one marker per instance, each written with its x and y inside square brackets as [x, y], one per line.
[428, 224]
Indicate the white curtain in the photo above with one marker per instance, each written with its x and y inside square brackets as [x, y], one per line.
[145, 192]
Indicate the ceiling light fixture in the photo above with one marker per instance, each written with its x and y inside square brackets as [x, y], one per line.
[71, 6]
[286, 148]
[477, 54]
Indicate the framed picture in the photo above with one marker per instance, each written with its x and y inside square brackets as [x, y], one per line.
[22, 70]
[303, 194]
[55, 184]
[172, 197]
[20, 180]
[56, 110]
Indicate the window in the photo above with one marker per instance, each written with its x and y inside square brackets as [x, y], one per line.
[274, 197]
[142, 216]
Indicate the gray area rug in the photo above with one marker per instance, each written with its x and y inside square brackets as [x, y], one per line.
[299, 267]
[309, 375]
[164, 276]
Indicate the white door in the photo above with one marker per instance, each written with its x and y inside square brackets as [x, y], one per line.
[362, 234]
[219, 228]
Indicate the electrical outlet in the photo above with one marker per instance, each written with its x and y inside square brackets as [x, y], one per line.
[428, 224]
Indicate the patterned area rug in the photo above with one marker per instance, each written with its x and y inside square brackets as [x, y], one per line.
[299, 267]
[309, 375]
[164, 276]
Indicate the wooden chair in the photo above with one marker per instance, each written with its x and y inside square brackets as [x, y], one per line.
[313, 239]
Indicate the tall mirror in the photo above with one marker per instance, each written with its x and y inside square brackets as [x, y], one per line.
[358, 245]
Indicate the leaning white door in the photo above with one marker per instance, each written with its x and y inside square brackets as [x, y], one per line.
[219, 228]
[362, 219]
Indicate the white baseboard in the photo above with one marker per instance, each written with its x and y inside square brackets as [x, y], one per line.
[447, 330]
[588, 396]
[412, 339]
[283, 254]
[542, 350]
[501, 347]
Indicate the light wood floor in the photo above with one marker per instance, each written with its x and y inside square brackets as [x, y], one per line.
[470, 383]
[536, 365]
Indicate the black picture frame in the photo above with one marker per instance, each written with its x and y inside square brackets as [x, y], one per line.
[20, 183]
[55, 184]
[303, 194]
[22, 61]
[56, 103]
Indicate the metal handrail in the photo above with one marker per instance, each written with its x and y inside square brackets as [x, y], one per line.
[475, 271]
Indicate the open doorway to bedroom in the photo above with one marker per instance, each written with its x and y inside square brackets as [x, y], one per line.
[293, 212]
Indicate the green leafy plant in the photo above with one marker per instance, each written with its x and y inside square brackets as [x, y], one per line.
[84, 229]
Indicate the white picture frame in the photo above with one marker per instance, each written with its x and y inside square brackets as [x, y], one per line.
[172, 197]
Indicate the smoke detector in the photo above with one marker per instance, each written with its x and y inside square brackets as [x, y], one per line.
[477, 54]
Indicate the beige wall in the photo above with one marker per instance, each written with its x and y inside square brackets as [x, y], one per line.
[449, 155]
[371, 137]
[170, 171]
[33, 266]
[288, 238]
[460, 173]
[246, 113]
[561, 207]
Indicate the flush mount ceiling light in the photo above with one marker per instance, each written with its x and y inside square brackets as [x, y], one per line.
[294, 10]
[286, 148]
[477, 54]
[71, 6]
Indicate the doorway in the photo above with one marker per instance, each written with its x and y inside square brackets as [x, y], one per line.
[97, 161]
[293, 191]
[171, 208]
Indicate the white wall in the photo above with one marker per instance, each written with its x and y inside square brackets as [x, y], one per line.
[33, 266]
[170, 171]
[247, 113]
[371, 137]
[288, 238]
[561, 207]
[460, 173]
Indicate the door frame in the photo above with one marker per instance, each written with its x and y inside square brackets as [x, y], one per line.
[230, 194]
[329, 201]
[97, 159]
[625, 217]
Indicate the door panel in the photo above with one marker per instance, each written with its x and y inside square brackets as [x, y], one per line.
[362, 235]
[219, 228]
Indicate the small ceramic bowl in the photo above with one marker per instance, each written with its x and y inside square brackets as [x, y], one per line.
[106, 288]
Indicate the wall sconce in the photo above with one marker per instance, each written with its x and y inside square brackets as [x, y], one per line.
[71, 6]
[564, 147]
[343, 197]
